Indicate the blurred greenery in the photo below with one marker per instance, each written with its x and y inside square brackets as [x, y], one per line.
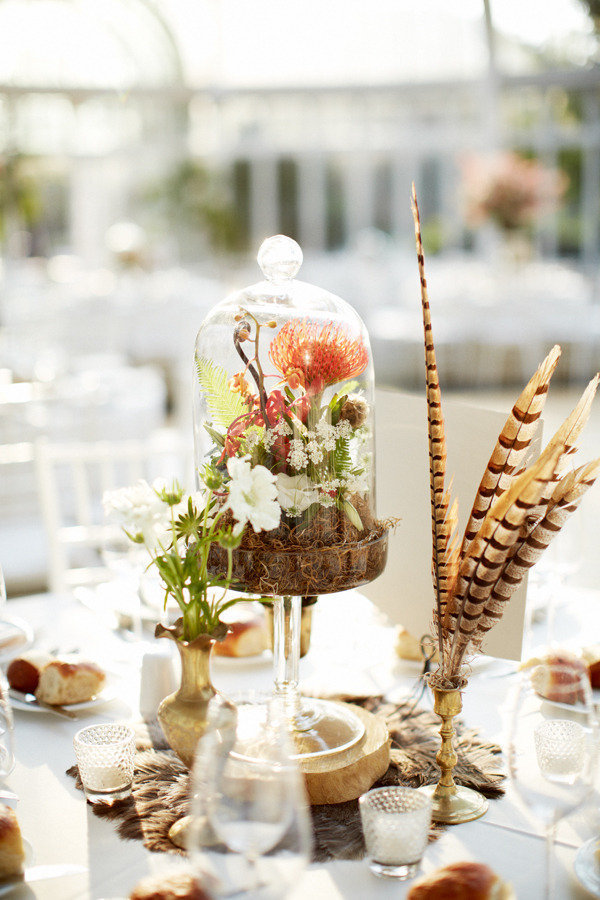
[20, 201]
[200, 198]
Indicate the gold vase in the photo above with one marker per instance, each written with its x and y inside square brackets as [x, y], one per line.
[184, 715]
[452, 803]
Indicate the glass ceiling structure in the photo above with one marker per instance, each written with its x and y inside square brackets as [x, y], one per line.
[153, 44]
[86, 44]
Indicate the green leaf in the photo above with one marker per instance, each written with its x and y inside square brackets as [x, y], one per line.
[342, 460]
[217, 438]
[224, 404]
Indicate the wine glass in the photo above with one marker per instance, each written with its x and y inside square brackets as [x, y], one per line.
[552, 746]
[250, 830]
[7, 757]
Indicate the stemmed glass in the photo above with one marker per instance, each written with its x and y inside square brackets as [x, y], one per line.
[251, 830]
[7, 758]
[552, 747]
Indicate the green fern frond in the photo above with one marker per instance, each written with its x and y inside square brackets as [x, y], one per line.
[224, 404]
[342, 460]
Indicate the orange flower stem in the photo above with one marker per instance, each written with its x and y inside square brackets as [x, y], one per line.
[256, 373]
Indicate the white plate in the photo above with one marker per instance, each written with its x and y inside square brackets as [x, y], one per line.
[9, 884]
[16, 635]
[575, 707]
[587, 866]
[241, 662]
[28, 703]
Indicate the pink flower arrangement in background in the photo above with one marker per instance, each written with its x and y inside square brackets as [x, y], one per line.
[509, 190]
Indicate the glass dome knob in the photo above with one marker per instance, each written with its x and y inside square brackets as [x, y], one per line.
[279, 257]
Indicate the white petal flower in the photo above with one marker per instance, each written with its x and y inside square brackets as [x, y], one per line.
[139, 511]
[252, 495]
[296, 492]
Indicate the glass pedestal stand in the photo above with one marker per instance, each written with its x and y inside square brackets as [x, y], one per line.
[319, 727]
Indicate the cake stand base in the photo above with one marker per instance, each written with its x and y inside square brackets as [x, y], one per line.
[335, 778]
[462, 805]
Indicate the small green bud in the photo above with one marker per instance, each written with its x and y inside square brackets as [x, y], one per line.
[230, 541]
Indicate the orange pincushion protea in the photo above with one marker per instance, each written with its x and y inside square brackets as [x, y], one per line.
[319, 354]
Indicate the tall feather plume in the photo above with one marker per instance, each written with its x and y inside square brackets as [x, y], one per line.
[512, 445]
[516, 511]
[567, 435]
[443, 517]
[566, 497]
[479, 568]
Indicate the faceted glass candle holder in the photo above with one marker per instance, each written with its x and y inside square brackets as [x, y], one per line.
[560, 746]
[395, 823]
[105, 761]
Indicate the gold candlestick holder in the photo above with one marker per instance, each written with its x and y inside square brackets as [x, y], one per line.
[452, 803]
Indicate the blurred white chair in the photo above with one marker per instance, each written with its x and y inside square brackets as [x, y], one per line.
[71, 480]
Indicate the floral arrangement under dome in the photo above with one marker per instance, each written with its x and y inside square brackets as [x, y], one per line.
[291, 390]
[178, 531]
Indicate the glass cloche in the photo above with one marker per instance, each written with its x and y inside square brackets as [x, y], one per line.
[284, 382]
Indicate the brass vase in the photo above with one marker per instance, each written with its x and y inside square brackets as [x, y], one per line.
[184, 715]
[452, 803]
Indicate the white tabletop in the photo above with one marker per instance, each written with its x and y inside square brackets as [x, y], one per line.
[61, 828]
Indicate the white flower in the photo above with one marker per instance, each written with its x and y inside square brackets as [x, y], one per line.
[298, 459]
[268, 438]
[139, 511]
[315, 452]
[326, 500]
[252, 495]
[296, 493]
[344, 429]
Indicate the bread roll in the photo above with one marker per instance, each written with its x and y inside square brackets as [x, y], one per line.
[594, 670]
[12, 854]
[62, 682]
[409, 647]
[177, 886]
[23, 673]
[557, 677]
[461, 881]
[591, 656]
[247, 635]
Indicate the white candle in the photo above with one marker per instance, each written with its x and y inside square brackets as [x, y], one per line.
[106, 778]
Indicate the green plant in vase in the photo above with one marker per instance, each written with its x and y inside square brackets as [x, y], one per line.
[178, 531]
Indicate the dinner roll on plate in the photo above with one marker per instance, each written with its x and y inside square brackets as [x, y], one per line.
[176, 886]
[63, 682]
[23, 673]
[12, 853]
[247, 634]
[461, 881]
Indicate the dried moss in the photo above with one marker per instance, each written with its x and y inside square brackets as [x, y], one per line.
[327, 555]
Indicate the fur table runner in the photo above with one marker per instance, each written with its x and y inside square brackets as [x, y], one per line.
[161, 782]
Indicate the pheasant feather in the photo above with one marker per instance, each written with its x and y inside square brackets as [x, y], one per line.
[565, 499]
[479, 569]
[512, 444]
[516, 511]
[443, 519]
[567, 435]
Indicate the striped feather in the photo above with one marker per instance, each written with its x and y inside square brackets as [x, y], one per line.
[443, 519]
[567, 435]
[480, 568]
[566, 497]
[512, 445]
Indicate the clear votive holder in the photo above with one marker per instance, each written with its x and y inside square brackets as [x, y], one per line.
[560, 747]
[395, 823]
[105, 761]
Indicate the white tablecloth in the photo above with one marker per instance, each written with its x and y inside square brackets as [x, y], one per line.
[352, 649]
